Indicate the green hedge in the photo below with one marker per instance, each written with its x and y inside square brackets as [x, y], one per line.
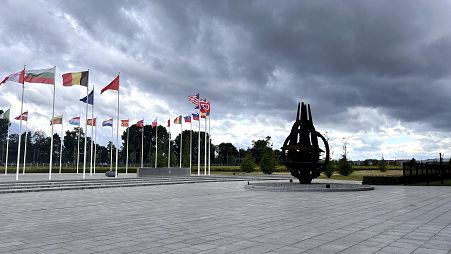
[383, 180]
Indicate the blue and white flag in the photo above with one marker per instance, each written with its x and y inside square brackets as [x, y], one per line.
[90, 98]
[108, 122]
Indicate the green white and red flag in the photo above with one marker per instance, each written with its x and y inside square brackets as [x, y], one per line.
[43, 76]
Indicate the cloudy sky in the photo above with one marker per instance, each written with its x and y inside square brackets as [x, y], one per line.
[376, 73]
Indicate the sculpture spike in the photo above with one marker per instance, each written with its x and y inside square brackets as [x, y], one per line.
[303, 113]
[310, 114]
[299, 108]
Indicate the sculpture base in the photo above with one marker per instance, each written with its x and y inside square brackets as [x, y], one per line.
[148, 172]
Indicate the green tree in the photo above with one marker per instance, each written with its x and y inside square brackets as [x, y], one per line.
[329, 171]
[382, 165]
[344, 167]
[267, 163]
[258, 148]
[248, 164]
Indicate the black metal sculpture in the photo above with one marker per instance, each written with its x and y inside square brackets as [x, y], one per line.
[301, 152]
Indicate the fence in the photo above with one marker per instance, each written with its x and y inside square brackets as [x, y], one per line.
[424, 172]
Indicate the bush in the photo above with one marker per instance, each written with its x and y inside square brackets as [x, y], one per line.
[329, 170]
[382, 165]
[248, 164]
[267, 163]
[383, 180]
[344, 167]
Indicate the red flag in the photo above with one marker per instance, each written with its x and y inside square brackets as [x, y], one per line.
[15, 77]
[91, 122]
[124, 123]
[169, 122]
[154, 123]
[114, 85]
[24, 116]
[140, 123]
[204, 106]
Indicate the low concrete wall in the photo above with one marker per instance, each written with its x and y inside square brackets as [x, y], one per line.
[148, 172]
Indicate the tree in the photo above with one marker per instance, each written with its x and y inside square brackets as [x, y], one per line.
[344, 167]
[227, 153]
[267, 163]
[382, 165]
[248, 163]
[329, 171]
[258, 147]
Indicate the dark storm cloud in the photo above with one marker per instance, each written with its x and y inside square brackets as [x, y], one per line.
[254, 58]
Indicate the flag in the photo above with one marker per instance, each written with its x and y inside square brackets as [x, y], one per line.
[194, 99]
[23, 116]
[75, 121]
[5, 115]
[187, 119]
[204, 106]
[178, 120]
[92, 122]
[114, 85]
[44, 76]
[155, 123]
[140, 123]
[169, 122]
[195, 117]
[90, 98]
[15, 77]
[124, 123]
[76, 78]
[56, 120]
[108, 122]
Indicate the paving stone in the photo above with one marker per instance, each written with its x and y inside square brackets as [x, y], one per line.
[223, 217]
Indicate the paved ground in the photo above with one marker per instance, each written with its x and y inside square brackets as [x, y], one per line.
[225, 218]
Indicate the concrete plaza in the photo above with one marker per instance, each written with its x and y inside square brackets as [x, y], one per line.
[225, 218]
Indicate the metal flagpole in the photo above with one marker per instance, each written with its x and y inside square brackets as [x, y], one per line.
[86, 130]
[7, 148]
[181, 143]
[20, 132]
[92, 131]
[209, 143]
[61, 144]
[95, 147]
[78, 146]
[51, 139]
[111, 148]
[126, 157]
[156, 144]
[169, 142]
[198, 143]
[117, 128]
[191, 147]
[205, 147]
[25, 146]
[142, 145]
[150, 146]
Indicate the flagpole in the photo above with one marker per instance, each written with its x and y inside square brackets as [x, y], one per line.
[61, 144]
[78, 146]
[205, 147]
[190, 147]
[117, 128]
[95, 147]
[150, 146]
[86, 129]
[181, 137]
[169, 143]
[209, 142]
[7, 148]
[111, 148]
[92, 130]
[126, 158]
[156, 145]
[198, 142]
[20, 132]
[142, 144]
[25, 146]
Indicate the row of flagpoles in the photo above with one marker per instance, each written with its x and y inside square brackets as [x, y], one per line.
[47, 76]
